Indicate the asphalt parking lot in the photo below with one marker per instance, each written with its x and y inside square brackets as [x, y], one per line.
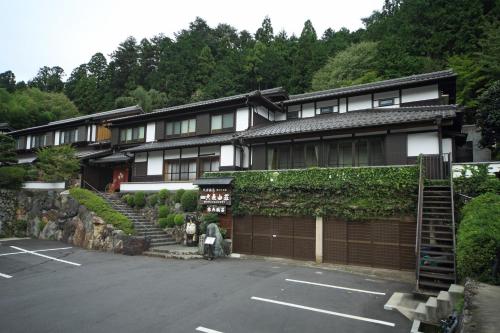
[47, 286]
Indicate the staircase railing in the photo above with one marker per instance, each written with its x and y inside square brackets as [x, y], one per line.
[420, 205]
[450, 170]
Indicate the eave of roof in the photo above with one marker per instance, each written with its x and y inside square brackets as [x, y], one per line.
[89, 117]
[353, 119]
[379, 85]
[206, 103]
[184, 142]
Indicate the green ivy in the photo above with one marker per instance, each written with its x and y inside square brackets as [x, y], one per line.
[350, 193]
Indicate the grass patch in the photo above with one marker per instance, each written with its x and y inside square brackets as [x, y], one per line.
[103, 209]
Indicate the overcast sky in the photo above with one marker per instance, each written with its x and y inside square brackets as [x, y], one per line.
[66, 33]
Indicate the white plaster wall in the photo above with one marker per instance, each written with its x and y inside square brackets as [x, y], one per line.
[261, 111]
[28, 142]
[156, 186]
[141, 157]
[56, 138]
[246, 157]
[94, 133]
[89, 135]
[155, 163]
[293, 108]
[226, 155]
[308, 110]
[423, 143]
[241, 119]
[420, 93]
[44, 186]
[342, 106]
[360, 102]
[238, 157]
[150, 132]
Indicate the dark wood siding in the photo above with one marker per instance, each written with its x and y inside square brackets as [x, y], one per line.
[115, 136]
[50, 139]
[387, 243]
[160, 130]
[395, 149]
[258, 157]
[259, 120]
[82, 133]
[203, 124]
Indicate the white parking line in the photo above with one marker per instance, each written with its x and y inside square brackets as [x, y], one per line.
[375, 321]
[44, 256]
[45, 250]
[206, 330]
[5, 276]
[336, 287]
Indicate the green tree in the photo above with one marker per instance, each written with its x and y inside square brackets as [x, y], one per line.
[8, 81]
[7, 150]
[57, 163]
[352, 66]
[488, 117]
[265, 33]
[49, 79]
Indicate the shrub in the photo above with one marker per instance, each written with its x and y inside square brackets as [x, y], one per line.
[12, 177]
[153, 200]
[163, 195]
[96, 204]
[179, 219]
[207, 219]
[41, 225]
[163, 211]
[57, 163]
[163, 222]
[478, 241]
[130, 200]
[189, 201]
[178, 195]
[139, 199]
[170, 220]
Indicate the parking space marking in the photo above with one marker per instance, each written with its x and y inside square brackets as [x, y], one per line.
[206, 330]
[336, 287]
[5, 276]
[333, 313]
[44, 256]
[45, 250]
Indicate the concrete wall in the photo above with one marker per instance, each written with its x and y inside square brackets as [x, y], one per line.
[493, 168]
[44, 186]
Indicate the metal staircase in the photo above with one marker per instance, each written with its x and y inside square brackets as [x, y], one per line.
[435, 267]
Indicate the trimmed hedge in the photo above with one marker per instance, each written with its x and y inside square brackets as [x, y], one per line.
[170, 220]
[478, 241]
[351, 193]
[163, 222]
[179, 219]
[163, 211]
[189, 201]
[99, 206]
[139, 199]
[178, 195]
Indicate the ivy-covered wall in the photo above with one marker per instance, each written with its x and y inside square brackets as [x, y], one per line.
[350, 193]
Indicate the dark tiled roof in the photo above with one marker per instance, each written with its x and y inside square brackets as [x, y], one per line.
[360, 88]
[94, 116]
[116, 157]
[353, 119]
[264, 93]
[184, 142]
[84, 154]
[213, 181]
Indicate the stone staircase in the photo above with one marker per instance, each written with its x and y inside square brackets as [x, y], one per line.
[436, 268]
[429, 311]
[142, 225]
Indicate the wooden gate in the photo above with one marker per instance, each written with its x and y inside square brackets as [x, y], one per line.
[388, 243]
[287, 237]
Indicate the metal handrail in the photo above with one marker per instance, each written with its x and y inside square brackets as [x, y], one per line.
[419, 216]
[450, 166]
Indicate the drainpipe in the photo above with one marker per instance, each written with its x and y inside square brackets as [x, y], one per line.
[440, 144]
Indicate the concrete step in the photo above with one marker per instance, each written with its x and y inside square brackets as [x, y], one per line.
[437, 269]
[437, 276]
[173, 256]
[443, 246]
[437, 253]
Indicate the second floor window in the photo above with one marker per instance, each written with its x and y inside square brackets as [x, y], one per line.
[21, 143]
[38, 140]
[385, 102]
[68, 136]
[181, 127]
[132, 134]
[328, 109]
[222, 122]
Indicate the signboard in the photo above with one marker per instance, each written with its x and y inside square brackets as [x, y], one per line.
[216, 209]
[215, 196]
